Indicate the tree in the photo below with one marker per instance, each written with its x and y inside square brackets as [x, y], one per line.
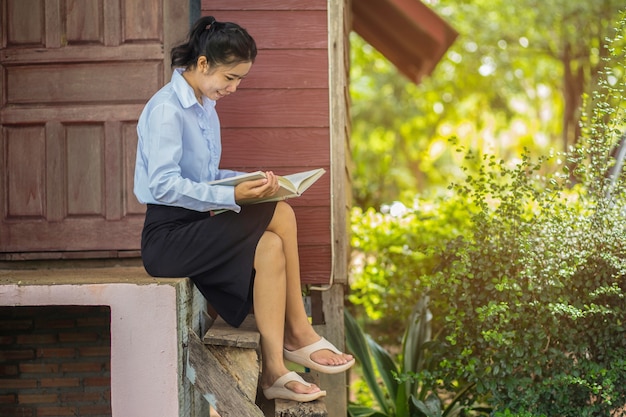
[514, 79]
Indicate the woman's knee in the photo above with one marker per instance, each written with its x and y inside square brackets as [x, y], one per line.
[270, 248]
[284, 219]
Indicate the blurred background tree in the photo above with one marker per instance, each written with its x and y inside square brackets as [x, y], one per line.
[514, 79]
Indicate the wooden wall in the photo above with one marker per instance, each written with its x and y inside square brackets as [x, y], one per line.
[75, 76]
[279, 118]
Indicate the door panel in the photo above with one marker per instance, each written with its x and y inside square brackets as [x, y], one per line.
[75, 76]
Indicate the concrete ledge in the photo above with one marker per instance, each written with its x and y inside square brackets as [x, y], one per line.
[149, 329]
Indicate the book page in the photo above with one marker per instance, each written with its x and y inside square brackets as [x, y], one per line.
[303, 180]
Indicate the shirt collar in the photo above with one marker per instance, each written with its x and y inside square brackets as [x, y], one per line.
[185, 92]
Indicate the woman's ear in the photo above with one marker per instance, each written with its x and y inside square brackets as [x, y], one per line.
[202, 64]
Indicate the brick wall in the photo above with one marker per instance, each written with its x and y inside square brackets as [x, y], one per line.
[55, 361]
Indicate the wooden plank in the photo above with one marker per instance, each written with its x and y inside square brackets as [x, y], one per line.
[333, 330]
[26, 161]
[82, 53]
[250, 149]
[339, 33]
[76, 234]
[70, 113]
[286, 408]
[216, 383]
[315, 264]
[223, 334]
[281, 29]
[307, 68]
[129, 151]
[113, 170]
[21, 32]
[275, 108]
[93, 82]
[317, 408]
[215, 5]
[82, 22]
[85, 174]
[137, 25]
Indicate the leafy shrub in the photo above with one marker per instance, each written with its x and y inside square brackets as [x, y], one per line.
[392, 251]
[526, 272]
[535, 289]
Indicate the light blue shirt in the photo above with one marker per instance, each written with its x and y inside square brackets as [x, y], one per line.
[179, 150]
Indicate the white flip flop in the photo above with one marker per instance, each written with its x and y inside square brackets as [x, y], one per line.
[302, 357]
[278, 389]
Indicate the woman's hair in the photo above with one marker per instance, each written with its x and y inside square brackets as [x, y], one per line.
[222, 43]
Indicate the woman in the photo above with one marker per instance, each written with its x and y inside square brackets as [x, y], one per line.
[246, 255]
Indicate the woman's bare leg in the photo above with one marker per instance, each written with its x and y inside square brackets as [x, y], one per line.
[269, 309]
[298, 331]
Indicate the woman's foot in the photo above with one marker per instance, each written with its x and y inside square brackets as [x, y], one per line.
[320, 355]
[290, 386]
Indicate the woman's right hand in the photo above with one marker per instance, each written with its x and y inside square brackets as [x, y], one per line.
[265, 187]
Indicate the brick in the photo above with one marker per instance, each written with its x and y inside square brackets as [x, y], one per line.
[95, 351]
[16, 324]
[36, 339]
[57, 411]
[95, 410]
[13, 355]
[37, 398]
[94, 322]
[56, 352]
[78, 337]
[89, 367]
[7, 340]
[54, 323]
[8, 370]
[97, 382]
[8, 399]
[15, 384]
[59, 382]
[16, 411]
[39, 368]
[85, 397]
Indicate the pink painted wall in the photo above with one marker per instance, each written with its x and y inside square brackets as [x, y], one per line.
[146, 366]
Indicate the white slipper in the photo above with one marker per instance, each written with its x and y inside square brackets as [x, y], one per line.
[278, 389]
[302, 357]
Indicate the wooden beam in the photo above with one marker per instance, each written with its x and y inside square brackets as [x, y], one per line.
[217, 383]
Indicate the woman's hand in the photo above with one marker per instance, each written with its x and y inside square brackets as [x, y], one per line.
[265, 187]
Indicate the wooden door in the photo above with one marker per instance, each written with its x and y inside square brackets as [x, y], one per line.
[75, 76]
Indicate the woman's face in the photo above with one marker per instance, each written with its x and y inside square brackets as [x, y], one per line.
[219, 81]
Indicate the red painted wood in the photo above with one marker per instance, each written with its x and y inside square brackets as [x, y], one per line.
[275, 108]
[282, 29]
[71, 89]
[315, 264]
[288, 68]
[215, 5]
[251, 149]
[48, 84]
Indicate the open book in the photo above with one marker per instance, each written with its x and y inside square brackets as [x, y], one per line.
[292, 185]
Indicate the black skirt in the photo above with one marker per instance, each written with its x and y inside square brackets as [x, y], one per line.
[215, 252]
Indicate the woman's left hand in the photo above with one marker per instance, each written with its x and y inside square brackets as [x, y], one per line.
[265, 187]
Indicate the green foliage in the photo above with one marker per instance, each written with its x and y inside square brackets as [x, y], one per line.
[406, 388]
[512, 80]
[527, 275]
[393, 251]
[535, 290]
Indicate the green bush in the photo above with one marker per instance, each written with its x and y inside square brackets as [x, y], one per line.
[392, 253]
[526, 273]
[535, 289]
